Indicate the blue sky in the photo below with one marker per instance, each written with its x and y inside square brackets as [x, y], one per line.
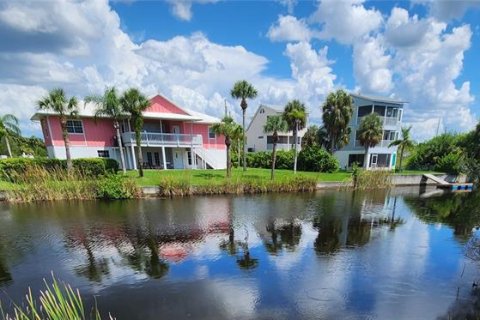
[192, 51]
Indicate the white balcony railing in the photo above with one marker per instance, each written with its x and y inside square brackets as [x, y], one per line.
[164, 139]
[382, 144]
[387, 121]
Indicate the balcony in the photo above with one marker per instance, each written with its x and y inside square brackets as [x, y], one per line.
[382, 144]
[153, 139]
[387, 121]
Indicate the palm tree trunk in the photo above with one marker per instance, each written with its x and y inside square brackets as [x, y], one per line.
[66, 140]
[244, 144]
[9, 150]
[365, 159]
[138, 139]
[401, 158]
[239, 153]
[295, 134]
[274, 159]
[119, 141]
[229, 164]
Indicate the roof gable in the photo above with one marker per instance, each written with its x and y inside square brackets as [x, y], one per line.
[160, 104]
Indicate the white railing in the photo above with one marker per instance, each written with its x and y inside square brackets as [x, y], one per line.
[387, 121]
[382, 144]
[164, 139]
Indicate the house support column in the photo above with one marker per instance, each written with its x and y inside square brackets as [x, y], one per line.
[164, 158]
[134, 161]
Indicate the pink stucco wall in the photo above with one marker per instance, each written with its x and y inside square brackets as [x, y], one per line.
[160, 104]
[95, 133]
[202, 129]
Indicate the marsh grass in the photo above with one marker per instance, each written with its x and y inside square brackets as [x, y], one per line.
[39, 184]
[56, 302]
[170, 187]
[373, 179]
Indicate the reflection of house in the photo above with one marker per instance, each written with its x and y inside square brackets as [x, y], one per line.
[257, 140]
[172, 137]
[381, 156]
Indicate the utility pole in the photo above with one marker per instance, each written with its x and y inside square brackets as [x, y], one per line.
[226, 113]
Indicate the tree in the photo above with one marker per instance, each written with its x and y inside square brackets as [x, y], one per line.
[275, 124]
[227, 128]
[8, 125]
[237, 138]
[370, 133]
[243, 90]
[404, 142]
[134, 103]
[57, 101]
[109, 105]
[310, 138]
[295, 114]
[337, 113]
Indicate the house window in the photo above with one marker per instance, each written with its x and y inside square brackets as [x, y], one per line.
[156, 155]
[260, 137]
[189, 158]
[103, 153]
[74, 126]
[211, 133]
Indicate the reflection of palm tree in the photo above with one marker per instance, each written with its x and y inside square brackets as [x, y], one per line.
[328, 239]
[246, 261]
[290, 235]
[230, 246]
[94, 269]
[156, 268]
[5, 276]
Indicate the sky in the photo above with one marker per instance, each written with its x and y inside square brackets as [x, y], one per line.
[192, 51]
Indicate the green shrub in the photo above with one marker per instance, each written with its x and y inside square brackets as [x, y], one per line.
[12, 169]
[317, 159]
[263, 159]
[93, 167]
[449, 163]
[116, 187]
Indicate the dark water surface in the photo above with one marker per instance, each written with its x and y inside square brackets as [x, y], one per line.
[328, 255]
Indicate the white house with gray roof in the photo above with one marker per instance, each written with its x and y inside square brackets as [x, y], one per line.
[380, 156]
[257, 140]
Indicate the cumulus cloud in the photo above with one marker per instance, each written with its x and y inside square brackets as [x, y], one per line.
[345, 21]
[289, 28]
[403, 31]
[290, 4]
[182, 9]
[449, 9]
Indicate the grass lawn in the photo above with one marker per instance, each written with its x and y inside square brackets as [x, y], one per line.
[208, 177]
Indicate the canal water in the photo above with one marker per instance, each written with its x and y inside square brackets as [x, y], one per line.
[325, 255]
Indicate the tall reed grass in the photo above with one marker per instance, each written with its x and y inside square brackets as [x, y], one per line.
[39, 184]
[372, 179]
[56, 302]
[170, 187]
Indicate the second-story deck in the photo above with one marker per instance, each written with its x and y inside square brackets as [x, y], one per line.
[163, 139]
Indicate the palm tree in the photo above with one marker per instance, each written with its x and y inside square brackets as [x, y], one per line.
[275, 124]
[8, 124]
[134, 103]
[237, 137]
[337, 113]
[295, 114]
[370, 133]
[243, 90]
[404, 142]
[57, 101]
[227, 128]
[109, 105]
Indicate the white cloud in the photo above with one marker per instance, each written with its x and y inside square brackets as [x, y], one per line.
[345, 21]
[371, 66]
[182, 9]
[401, 30]
[446, 10]
[290, 4]
[289, 28]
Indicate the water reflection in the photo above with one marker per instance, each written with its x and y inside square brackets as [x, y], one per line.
[326, 255]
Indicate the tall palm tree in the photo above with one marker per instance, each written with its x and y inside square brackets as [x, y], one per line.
[237, 137]
[57, 101]
[295, 114]
[336, 114]
[275, 124]
[227, 128]
[134, 103]
[243, 90]
[109, 105]
[370, 133]
[8, 124]
[405, 142]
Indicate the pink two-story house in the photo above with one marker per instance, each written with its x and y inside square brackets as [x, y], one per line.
[172, 138]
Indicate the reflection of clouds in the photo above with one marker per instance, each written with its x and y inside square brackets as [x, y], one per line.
[237, 297]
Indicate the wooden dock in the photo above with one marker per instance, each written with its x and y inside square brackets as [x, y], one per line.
[452, 186]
